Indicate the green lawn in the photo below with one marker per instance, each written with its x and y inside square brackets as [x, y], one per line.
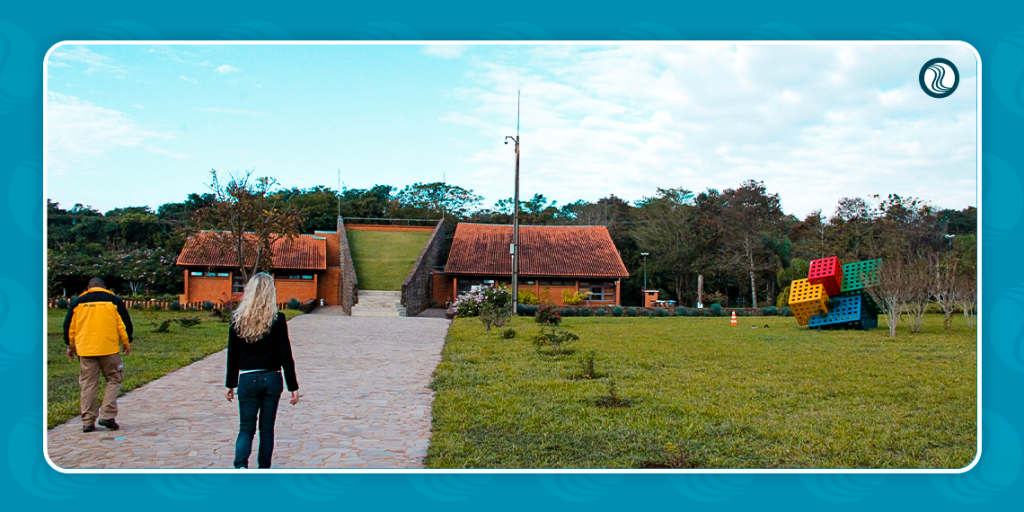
[384, 258]
[153, 355]
[724, 396]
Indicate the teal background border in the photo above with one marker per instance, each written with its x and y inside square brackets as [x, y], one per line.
[995, 29]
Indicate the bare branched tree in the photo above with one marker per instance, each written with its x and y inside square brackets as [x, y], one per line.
[967, 295]
[919, 277]
[892, 291]
[944, 286]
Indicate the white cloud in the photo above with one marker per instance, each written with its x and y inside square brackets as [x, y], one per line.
[184, 78]
[226, 68]
[218, 110]
[157, 150]
[138, 106]
[815, 123]
[445, 51]
[79, 133]
[94, 62]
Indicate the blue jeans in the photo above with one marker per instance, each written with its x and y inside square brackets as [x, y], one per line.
[258, 396]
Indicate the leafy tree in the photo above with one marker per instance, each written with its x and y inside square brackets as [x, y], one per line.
[437, 199]
[247, 220]
[754, 220]
[664, 228]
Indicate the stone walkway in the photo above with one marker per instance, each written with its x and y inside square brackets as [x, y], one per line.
[364, 404]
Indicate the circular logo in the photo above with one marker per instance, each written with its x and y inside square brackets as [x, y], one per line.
[939, 78]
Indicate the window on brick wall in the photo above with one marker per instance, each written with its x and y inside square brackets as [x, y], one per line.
[237, 285]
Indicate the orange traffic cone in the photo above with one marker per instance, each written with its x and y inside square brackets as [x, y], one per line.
[734, 319]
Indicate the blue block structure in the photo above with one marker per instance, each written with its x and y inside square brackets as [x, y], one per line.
[866, 301]
[846, 313]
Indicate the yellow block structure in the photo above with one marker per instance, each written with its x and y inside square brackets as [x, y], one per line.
[806, 299]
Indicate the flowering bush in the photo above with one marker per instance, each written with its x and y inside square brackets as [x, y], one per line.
[575, 298]
[528, 297]
[547, 315]
[468, 304]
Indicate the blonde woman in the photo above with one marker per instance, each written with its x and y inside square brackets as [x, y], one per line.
[258, 348]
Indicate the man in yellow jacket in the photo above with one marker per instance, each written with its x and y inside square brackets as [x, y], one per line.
[96, 327]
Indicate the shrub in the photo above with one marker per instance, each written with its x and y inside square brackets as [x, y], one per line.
[508, 333]
[527, 310]
[294, 303]
[769, 311]
[587, 369]
[645, 312]
[661, 312]
[62, 303]
[575, 298]
[717, 298]
[528, 297]
[207, 305]
[617, 311]
[139, 305]
[165, 326]
[631, 311]
[547, 315]
[554, 338]
[786, 311]
[191, 321]
[611, 398]
[783, 299]
[174, 306]
[585, 312]
[681, 311]
[716, 309]
[468, 304]
[600, 312]
[496, 308]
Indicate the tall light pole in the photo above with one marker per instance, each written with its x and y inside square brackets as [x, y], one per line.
[949, 238]
[514, 249]
[644, 254]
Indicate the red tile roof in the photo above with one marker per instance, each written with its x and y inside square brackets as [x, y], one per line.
[304, 252]
[578, 251]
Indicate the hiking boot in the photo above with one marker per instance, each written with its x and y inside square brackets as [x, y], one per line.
[88, 428]
[111, 424]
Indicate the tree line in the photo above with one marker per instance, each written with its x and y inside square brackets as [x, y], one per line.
[739, 239]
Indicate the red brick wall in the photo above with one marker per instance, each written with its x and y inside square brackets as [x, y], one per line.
[332, 247]
[329, 286]
[441, 288]
[213, 289]
[288, 289]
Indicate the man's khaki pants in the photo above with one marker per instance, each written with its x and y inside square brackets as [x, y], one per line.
[89, 380]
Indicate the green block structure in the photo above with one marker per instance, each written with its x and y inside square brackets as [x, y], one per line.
[860, 275]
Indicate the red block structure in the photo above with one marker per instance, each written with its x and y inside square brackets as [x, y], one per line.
[828, 273]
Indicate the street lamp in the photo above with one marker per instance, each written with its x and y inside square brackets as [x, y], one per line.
[514, 249]
[644, 254]
[949, 238]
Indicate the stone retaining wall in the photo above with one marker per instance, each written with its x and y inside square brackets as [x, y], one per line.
[349, 283]
[416, 288]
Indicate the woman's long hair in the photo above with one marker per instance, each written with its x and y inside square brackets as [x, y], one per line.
[258, 308]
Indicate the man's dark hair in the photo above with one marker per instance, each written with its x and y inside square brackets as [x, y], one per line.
[97, 283]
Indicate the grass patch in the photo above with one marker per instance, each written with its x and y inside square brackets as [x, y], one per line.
[154, 354]
[384, 258]
[696, 392]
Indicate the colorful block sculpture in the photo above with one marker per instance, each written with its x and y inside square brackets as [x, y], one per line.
[869, 304]
[846, 313]
[828, 273]
[860, 275]
[806, 299]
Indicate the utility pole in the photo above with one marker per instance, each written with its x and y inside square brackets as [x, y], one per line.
[515, 218]
[644, 254]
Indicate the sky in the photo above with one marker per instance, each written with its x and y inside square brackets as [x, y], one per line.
[143, 125]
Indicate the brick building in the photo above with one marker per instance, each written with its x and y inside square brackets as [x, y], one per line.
[305, 267]
[554, 259]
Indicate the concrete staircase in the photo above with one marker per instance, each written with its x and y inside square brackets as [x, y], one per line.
[379, 303]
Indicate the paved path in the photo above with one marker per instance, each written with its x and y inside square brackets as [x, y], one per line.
[364, 404]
